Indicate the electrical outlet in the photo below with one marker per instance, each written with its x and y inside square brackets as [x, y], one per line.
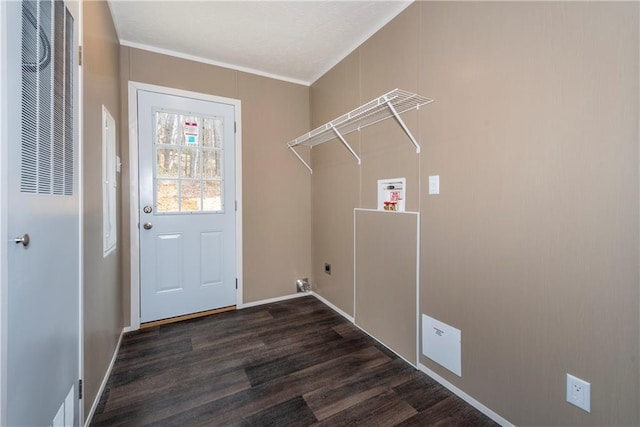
[579, 392]
[327, 268]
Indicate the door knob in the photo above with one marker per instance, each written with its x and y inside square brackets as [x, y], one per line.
[148, 226]
[25, 239]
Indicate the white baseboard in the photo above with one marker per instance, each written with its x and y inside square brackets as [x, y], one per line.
[464, 396]
[272, 300]
[105, 379]
[298, 295]
[335, 308]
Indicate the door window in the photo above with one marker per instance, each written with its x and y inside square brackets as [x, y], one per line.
[188, 173]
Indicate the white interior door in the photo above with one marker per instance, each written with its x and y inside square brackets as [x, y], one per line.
[43, 320]
[187, 205]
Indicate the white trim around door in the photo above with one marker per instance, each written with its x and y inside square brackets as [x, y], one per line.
[3, 213]
[133, 89]
[80, 211]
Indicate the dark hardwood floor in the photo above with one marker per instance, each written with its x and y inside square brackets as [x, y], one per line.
[292, 363]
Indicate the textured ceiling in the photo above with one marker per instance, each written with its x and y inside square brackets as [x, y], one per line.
[291, 40]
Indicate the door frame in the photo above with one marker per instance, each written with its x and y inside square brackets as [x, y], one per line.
[4, 284]
[80, 71]
[4, 210]
[133, 88]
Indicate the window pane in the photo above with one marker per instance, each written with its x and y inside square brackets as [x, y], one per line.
[190, 163]
[190, 197]
[211, 160]
[167, 128]
[167, 196]
[167, 166]
[212, 132]
[212, 196]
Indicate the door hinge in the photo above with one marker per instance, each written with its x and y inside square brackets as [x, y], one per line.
[236, 206]
[236, 283]
[80, 55]
[235, 127]
[79, 389]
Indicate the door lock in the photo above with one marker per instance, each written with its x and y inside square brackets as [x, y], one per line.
[25, 239]
[148, 226]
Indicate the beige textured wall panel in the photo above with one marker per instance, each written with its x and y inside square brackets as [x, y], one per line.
[385, 265]
[335, 194]
[387, 152]
[102, 292]
[531, 249]
[336, 92]
[335, 185]
[390, 58]
[276, 196]
[178, 73]
[125, 177]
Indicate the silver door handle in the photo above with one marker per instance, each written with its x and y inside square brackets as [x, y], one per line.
[148, 226]
[25, 239]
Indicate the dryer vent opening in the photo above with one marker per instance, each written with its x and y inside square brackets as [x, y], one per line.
[303, 285]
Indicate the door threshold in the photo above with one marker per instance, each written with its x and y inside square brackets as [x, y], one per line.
[186, 317]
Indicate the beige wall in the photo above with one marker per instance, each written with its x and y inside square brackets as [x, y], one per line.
[532, 247]
[276, 199]
[102, 294]
[335, 186]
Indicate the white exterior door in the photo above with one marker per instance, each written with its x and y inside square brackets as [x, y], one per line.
[43, 214]
[187, 205]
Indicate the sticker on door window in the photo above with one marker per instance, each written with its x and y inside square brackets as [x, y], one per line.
[191, 133]
[188, 172]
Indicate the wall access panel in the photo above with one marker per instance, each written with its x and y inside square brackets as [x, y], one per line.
[386, 275]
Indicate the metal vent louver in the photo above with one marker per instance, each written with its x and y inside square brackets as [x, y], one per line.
[47, 98]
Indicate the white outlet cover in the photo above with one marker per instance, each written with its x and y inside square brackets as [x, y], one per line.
[579, 392]
[434, 184]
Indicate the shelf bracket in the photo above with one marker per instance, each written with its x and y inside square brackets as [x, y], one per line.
[344, 141]
[402, 124]
[300, 158]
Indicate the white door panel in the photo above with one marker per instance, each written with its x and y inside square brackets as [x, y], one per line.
[42, 193]
[211, 258]
[187, 198]
[169, 271]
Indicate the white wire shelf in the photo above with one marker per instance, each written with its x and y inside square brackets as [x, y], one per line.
[391, 104]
